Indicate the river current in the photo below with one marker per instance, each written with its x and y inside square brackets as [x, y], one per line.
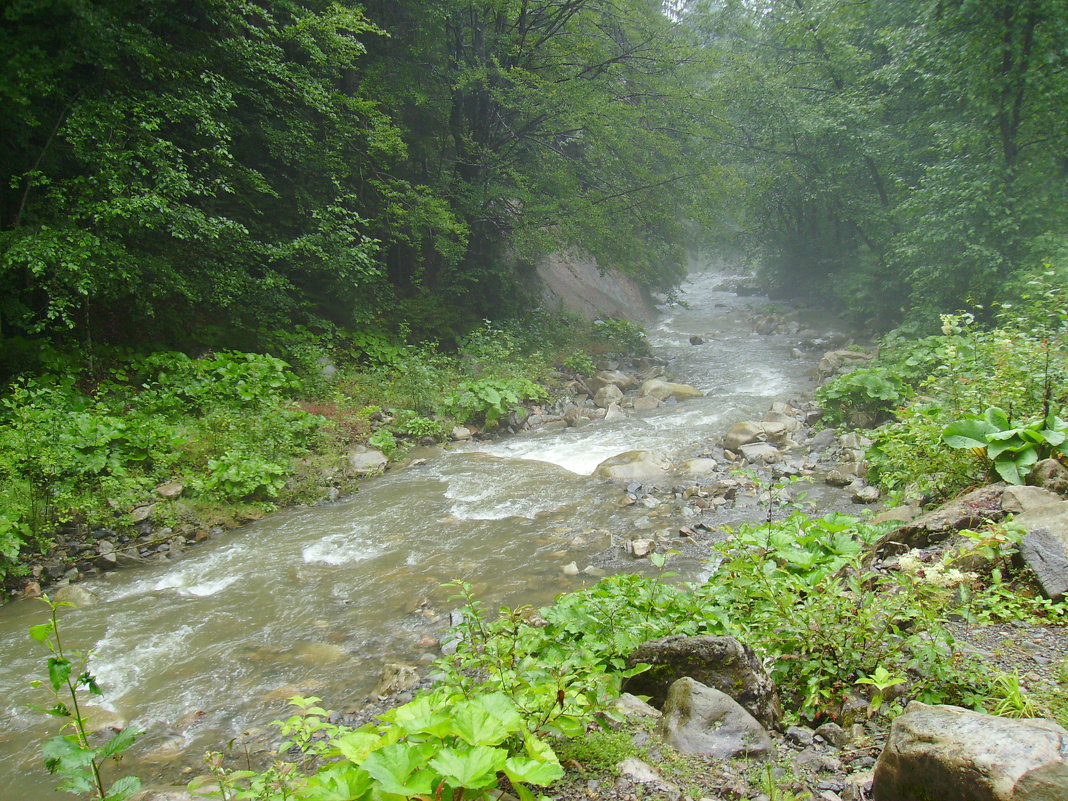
[315, 600]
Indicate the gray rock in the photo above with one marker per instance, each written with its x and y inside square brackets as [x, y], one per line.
[614, 378]
[663, 390]
[395, 678]
[1050, 475]
[640, 547]
[170, 490]
[643, 466]
[1031, 500]
[645, 404]
[460, 434]
[866, 494]
[575, 417]
[954, 754]
[724, 663]
[613, 413]
[760, 452]
[364, 460]
[701, 720]
[1047, 556]
[742, 434]
[634, 771]
[696, 340]
[698, 467]
[1045, 547]
[632, 706]
[833, 734]
[142, 513]
[822, 440]
[76, 595]
[607, 395]
[800, 735]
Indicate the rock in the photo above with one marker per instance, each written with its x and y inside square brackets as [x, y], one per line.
[76, 595]
[833, 734]
[614, 412]
[318, 653]
[575, 417]
[696, 340]
[800, 735]
[570, 569]
[641, 547]
[663, 390]
[742, 434]
[460, 434]
[1050, 475]
[170, 490]
[760, 452]
[899, 514]
[723, 663]
[822, 440]
[363, 460]
[954, 754]
[967, 511]
[702, 720]
[643, 466]
[608, 395]
[632, 706]
[142, 513]
[396, 678]
[788, 421]
[633, 771]
[1047, 556]
[646, 404]
[866, 494]
[615, 378]
[698, 467]
[1030, 500]
[829, 363]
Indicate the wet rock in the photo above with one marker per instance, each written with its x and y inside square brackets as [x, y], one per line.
[800, 735]
[822, 440]
[760, 452]
[168, 794]
[142, 513]
[613, 413]
[615, 378]
[575, 417]
[76, 595]
[645, 404]
[723, 663]
[643, 466]
[1050, 475]
[170, 490]
[318, 653]
[696, 340]
[461, 434]
[702, 720]
[396, 678]
[641, 547]
[955, 754]
[363, 460]
[663, 390]
[742, 434]
[698, 467]
[608, 395]
[899, 514]
[866, 494]
[570, 569]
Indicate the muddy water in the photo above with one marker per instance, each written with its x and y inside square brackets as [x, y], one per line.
[315, 600]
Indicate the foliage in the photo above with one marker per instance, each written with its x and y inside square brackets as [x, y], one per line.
[384, 440]
[490, 399]
[621, 335]
[580, 364]
[1013, 448]
[871, 392]
[71, 755]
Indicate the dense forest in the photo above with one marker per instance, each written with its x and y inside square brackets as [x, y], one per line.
[203, 174]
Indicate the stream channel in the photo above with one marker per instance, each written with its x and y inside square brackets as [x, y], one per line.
[316, 600]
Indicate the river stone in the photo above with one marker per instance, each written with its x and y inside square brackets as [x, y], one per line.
[575, 417]
[396, 678]
[142, 513]
[607, 395]
[724, 663]
[663, 390]
[866, 494]
[460, 434]
[366, 460]
[954, 754]
[76, 595]
[634, 707]
[615, 378]
[1051, 475]
[641, 547]
[645, 404]
[170, 490]
[634, 771]
[698, 467]
[643, 466]
[318, 653]
[760, 452]
[742, 434]
[614, 412]
[1047, 556]
[702, 720]
[1029, 500]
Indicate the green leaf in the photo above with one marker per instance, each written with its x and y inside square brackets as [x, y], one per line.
[356, 745]
[532, 771]
[341, 782]
[400, 768]
[476, 726]
[58, 671]
[123, 788]
[43, 631]
[121, 741]
[474, 769]
[502, 708]
[967, 434]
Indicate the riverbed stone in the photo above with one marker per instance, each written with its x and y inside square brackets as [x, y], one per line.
[742, 434]
[700, 466]
[170, 490]
[725, 663]
[142, 513]
[760, 452]
[643, 466]
[955, 754]
[1051, 475]
[460, 434]
[634, 771]
[364, 460]
[640, 547]
[663, 390]
[616, 378]
[645, 404]
[76, 595]
[395, 678]
[607, 395]
[702, 720]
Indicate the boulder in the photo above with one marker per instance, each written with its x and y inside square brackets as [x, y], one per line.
[634, 771]
[75, 595]
[763, 452]
[702, 720]
[1051, 475]
[640, 547]
[615, 378]
[395, 678]
[575, 417]
[1044, 548]
[1030, 501]
[142, 513]
[865, 494]
[698, 467]
[663, 390]
[170, 490]
[643, 466]
[723, 663]
[364, 460]
[460, 434]
[967, 511]
[645, 404]
[607, 395]
[742, 434]
[697, 340]
[955, 754]
[614, 412]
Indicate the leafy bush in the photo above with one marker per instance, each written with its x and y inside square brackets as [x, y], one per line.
[580, 364]
[384, 440]
[412, 425]
[489, 399]
[1013, 448]
[866, 395]
[622, 335]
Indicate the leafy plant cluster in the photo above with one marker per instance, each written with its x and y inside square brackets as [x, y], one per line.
[225, 425]
[864, 395]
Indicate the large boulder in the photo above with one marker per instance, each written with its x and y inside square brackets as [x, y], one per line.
[723, 663]
[663, 390]
[954, 754]
[750, 431]
[607, 395]
[615, 378]
[364, 460]
[1051, 475]
[702, 720]
[1044, 548]
[643, 466]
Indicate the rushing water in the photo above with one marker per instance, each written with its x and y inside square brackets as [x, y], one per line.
[316, 600]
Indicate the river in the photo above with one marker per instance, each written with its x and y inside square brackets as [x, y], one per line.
[317, 599]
